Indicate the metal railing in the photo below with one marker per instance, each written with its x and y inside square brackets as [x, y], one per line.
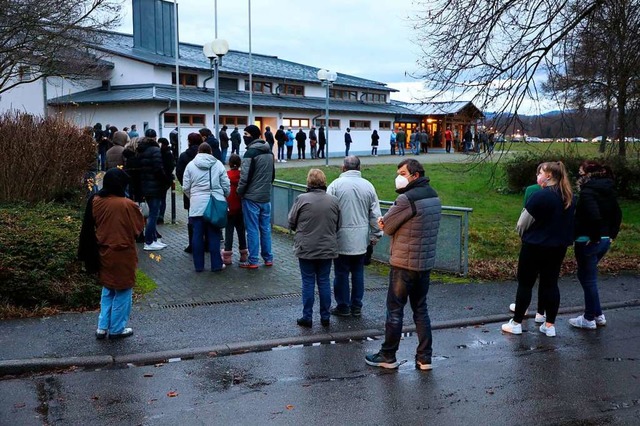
[452, 248]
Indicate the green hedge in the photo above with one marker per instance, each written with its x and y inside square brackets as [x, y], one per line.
[38, 266]
[521, 171]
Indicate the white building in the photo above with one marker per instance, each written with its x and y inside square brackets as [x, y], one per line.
[141, 90]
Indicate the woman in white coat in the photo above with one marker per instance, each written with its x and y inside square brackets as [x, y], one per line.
[203, 176]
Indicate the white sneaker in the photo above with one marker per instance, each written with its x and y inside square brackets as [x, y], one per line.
[582, 322]
[160, 243]
[512, 308]
[601, 321]
[512, 327]
[153, 246]
[539, 319]
[284, 161]
[549, 331]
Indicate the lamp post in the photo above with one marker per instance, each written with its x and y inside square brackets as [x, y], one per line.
[327, 78]
[215, 50]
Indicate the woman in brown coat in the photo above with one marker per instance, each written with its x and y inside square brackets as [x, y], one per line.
[108, 246]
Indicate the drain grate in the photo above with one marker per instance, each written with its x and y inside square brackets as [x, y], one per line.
[243, 300]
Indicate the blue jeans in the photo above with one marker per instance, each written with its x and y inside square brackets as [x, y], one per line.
[347, 146]
[200, 227]
[152, 220]
[280, 151]
[223, 154]
[257, 221]
[401, 149]
[345, 265]
[588, 256]
[413, 285]
[115, 308]
[312, 271]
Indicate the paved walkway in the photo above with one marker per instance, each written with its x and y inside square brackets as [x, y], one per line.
[178, 283]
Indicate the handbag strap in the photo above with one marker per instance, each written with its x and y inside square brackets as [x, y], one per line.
[210, 184]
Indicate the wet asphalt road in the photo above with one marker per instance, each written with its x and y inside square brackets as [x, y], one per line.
[480, 377]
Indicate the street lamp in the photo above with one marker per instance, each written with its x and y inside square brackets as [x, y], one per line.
[215, 50]
[327, 78]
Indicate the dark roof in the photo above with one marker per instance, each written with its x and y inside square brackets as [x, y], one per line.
[165, 93]
[440, 108]
[234, 62]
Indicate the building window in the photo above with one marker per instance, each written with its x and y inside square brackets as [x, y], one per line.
[333, 124]
[375, 97]
[384, 125]
[258, 86]
[194, 120]
[347, 95]
[233, 120]
[359, 124]
[292, 90]
[24, 73]
[296, 122]
[186, 80]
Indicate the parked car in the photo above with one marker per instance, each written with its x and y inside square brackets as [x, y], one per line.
[533, 139]
[597, 139]
[579, 139]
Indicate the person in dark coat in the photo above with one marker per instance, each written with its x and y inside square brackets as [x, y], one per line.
[347, 142]
[168, 164]
[153, 184]
[598, 219]
[313, 142]
[208, 137]
[236, 140]
[185, 158]
[322, 142]
[375, 138]
[108, 247]
[281, 138]
[224, 144]
[102, 139]
[301, 139]
[268, 137]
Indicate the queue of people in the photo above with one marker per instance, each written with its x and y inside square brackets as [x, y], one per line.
[335, 225]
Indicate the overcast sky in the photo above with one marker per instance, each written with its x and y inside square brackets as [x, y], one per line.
[365, 38]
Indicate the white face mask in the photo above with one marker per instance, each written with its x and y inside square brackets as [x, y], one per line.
[401, 182]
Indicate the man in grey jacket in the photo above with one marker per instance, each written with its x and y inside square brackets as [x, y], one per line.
[412, 222]
[256, 178]
[359, 213]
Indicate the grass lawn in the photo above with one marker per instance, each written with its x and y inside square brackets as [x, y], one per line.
[493, 241]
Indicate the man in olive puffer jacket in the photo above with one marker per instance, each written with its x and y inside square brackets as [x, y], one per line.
[412, 222]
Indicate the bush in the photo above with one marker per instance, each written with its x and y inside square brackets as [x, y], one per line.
[43, 159]
[521, 171]
[38, 266]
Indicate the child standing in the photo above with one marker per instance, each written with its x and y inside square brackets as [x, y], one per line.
[234, 216]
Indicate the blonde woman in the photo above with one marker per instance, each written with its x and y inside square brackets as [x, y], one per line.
[546, 229]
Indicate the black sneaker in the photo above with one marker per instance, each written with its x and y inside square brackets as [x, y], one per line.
[304, 322]
[381, 360]
[339, 313]
[325, 322]
[356, 312]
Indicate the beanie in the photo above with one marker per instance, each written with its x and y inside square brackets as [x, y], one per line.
[194, 138]
[150, 133]
[253, 130]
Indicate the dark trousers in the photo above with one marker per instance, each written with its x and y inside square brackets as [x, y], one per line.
[235, 222]
[543, 262]
[448, 146]
[414, 286]
[321, 150]
[301, 154]
[393, 149]
[289, 152]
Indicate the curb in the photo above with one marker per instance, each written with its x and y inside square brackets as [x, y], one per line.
[38, 365]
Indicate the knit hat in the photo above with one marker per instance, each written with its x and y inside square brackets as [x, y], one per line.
[150, 133]
[120, 138]
[194, 138]
[254, 131]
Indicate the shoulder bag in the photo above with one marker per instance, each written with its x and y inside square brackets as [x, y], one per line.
[216, 211]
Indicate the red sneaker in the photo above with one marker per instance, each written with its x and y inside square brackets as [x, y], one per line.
[248, 265]
[268, 263]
